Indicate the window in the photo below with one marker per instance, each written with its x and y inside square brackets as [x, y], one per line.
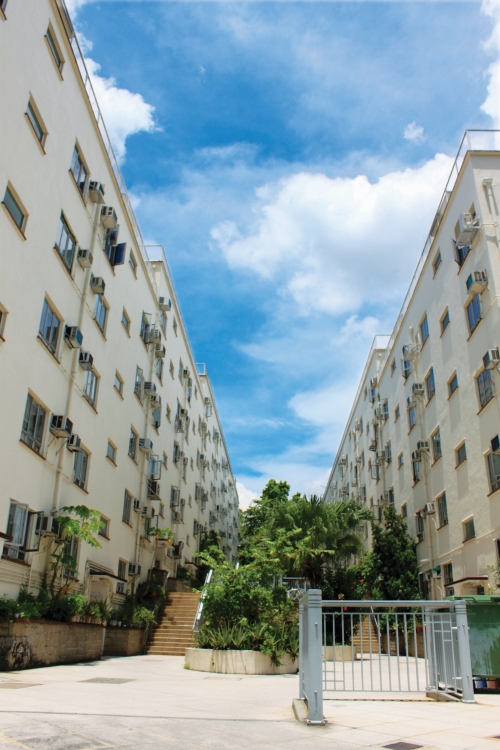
[80, 468]
[461, 254]
[445, 321]
[54, 48]
[159, 368]
[393, 367]
[469, 530]
[424, 330]
[461, 454]
[181, 370]
[163, 323]
[172, 369]
[147, 526]
[404, 511]
[442, 510]
[126, 321]
[494, 471]
[79, 170]
[36, 122]
[416, 471]
[406, 368]
[15, 209]
[430, 383]
[33, 424]
[447, 574]
[168, 413]
[388, 452]
[104, 528]
[111, 452]
[3, 6]
[90, 387]
[101, 312]
[437, 262]
[400, 460]
[66, 244]
[3, 320]
[165, 460]
[474, 313]
[133, 263]
[49, 327]
[132, 444]
[397, 413]
[175, 326]
[411, 417]
[17, 525]
[453, 384]
[122, 569]
[420, 527]
[391, 495]
[436, 445]
[375, 472]
[118, 383]
[127, 511]
[139, 382]
[485, 387]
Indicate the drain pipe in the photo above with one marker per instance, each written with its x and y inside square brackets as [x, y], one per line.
[144, 460]
[74, 363]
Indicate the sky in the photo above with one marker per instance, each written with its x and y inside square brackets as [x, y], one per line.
[290, 157]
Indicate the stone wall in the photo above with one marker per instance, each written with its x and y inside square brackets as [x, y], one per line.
[237, 662]
[39, 643]
[123, 642]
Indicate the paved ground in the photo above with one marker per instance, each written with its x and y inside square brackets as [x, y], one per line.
[151, 702]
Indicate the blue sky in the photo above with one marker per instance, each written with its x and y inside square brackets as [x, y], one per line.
[290, 157]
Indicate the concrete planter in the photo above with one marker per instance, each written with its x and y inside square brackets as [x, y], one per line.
[123, 642]
[40, 643]
[338, 653]
[236, 662]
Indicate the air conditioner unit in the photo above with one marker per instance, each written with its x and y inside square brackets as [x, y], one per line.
[415, 456]
[380, 455]
[185, 460]
[108, 217]
[74, 443]
[436, 572]
[86, 360]
[202, 456]
[85, 258]
[203, 427]
[186, 373]
[195, 528]
[48, 525]
[430, 508]
[96, 191]
[418, 389]
[149, 512]
[120, 588]
[358, 459]
[408, 352]
[61, 426]
[145, 445]
[97, 284]
[467, 229]
[160, 351]
[373, 382]
[164, 304]
[148, 335]
[372, 445]
[382, 411]
[134, 569]
[149, 388]
[156, 336]
[73, 337]
[153, 488]
[176, 517]
[495, 445]
[491, 359]
[476, 282]
[138, 505]
[423, 446]
[183, 413]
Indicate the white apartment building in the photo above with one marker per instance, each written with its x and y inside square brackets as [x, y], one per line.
[101, 401]
[423, 431]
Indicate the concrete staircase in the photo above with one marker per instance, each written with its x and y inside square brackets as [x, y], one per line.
[362, 646]
[175, 632]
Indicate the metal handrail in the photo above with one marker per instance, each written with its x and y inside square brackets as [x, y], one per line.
[199, 610]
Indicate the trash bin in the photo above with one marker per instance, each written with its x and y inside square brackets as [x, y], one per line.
[483, 615]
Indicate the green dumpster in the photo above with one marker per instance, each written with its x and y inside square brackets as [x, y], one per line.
[483, 614]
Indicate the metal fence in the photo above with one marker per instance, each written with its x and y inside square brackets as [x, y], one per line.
[382, 647]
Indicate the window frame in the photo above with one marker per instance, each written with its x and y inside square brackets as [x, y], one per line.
[12, 196]
[451, 390]
[424, 329]
[491, 459]
[127, 497]
[475, 305]
[133, 441]
[485, 375]
[78, 160]
[91, 387]
[459, 461]
[81, 468]
[126, 322]
[436, 442]
[55, 49]
[111, 458]
[36, 123]
[133, 263]
[35, 441]
[430, 376]
[445, 317]
[3, 320]
[442, 506]
[52, 345]
[104, 527]
[438, 259]
[65, 253]
[101, 305]
[467, 525]
[120, 380]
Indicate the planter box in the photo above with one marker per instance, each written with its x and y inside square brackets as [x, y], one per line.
[339, 653]
[236, 662]
[40, 643]
[123, 642]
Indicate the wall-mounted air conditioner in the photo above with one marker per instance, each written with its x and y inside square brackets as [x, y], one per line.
[96, 191]
[491, 359]
[134, 569]
[149, 388]
[138, 505]
[145, 445]
[416, 456]
[97, 284]
[476, 282]
[61, 426]
[73, 337]
[418, 389]
[164, 304]
[467, 229]
[85, 258]
[108, 217]
[380, 455]
[430, 508]
[423, 446]
[495, 445]
[74, 442]
[160, 351]
[409, 352]
[85, 360]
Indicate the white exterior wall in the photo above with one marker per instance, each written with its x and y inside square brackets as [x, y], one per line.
[459, 416]
[31, 271]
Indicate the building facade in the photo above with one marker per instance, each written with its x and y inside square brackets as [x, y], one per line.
[423, 432]
[102, 403]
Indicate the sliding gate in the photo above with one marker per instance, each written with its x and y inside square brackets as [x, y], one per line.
[382, 647]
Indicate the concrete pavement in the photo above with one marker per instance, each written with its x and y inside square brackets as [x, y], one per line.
[151, 702]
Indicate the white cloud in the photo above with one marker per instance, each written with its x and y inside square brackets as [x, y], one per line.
[492, 103]
[245, 496]
[414, 133]
[124, 113]
[334, 244]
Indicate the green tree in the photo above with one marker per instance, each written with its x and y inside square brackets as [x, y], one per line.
[391, 568]
[82, 525]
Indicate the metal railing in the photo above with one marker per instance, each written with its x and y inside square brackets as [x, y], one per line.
[198, 618]
[382, 647]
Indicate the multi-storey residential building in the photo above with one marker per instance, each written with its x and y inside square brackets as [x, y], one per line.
[423, 432]
[101, 401]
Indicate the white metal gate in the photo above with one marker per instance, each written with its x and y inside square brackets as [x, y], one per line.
[382, 646]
